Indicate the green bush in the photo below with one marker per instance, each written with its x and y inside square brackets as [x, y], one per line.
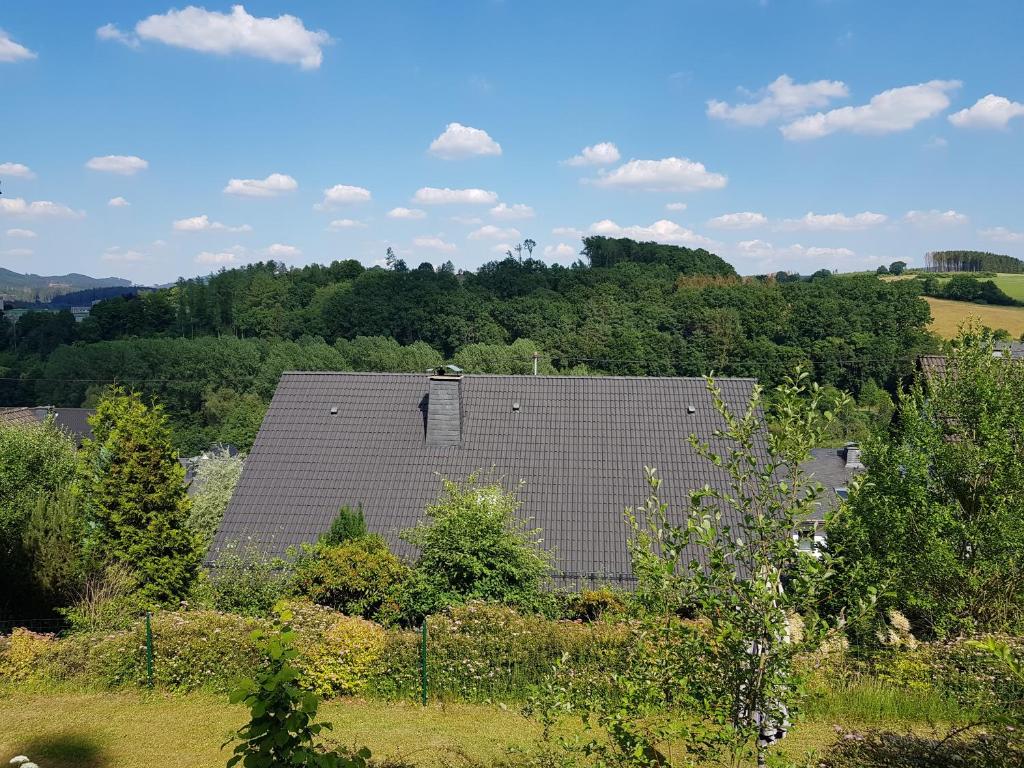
[243, 580]
[191, 649]
[359, 578]
[338, 654]
[473, 547]
[23, 653]
[593, 604]
[348, 526]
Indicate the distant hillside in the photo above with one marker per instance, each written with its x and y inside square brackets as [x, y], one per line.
[14, 285]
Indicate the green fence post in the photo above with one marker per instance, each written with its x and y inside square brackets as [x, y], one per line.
[149, 648]
[423, 662]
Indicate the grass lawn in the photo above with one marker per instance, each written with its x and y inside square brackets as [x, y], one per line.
[1012, 285]
[142, 730]
[948, 315]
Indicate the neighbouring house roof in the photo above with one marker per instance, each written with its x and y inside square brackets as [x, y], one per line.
[577, 445]
[834, 468]
[74, 421]
[933, 366]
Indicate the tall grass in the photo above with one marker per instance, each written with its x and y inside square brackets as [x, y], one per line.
[872, 701]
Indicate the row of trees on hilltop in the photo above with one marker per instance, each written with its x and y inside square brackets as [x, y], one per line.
[212, 349]
[971, 261]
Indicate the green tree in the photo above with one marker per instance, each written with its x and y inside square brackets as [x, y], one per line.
[53, 540]
[472, 546]
[36, 460]
[213, 484]
[897, 267]
[938, 524]
[348, 525]
[135, 494]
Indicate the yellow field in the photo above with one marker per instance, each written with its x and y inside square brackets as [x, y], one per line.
[947, 316]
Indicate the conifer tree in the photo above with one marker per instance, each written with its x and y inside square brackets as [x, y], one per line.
[135, 496]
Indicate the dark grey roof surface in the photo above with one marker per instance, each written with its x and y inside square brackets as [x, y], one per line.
[828, 467]
[74, 421]
[577, 444]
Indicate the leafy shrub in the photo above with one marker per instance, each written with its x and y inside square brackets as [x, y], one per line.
[107, 601]
[484, 651]
[211, 490]
[473, 547]
[23, 653]
[348, 526]
[593, 604]
[191, 650]
[245, 581]
[359, 578]
[338, 654]
[999, 747]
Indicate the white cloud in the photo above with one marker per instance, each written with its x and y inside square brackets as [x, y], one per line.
[661, 231]
[512, 212]
[406, 213]
[503, 248]
[604, 153]
[12, 51]
[16, 206]
[23, 233]
[675, 207]
[203, 224]
[567, 232]
[818, 222]
[742, 220]
[669, 174]
[934, 218]
[491, 232]
[284, 39]
[435, 196]
[118, 202]
[460, 141]
[122, 255]
[111, 32]
[123, 165]
[560, 251]
[988, 112]
[342, 194]
[18, 253]
[898, 109]
[779, 100]
[217, 257]
[18, 170]
[275, 184]
[434, 243]
[772, 258]
[339, 224]
[996, 234]
[281, 251]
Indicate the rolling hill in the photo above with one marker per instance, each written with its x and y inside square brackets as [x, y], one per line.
[14, 285]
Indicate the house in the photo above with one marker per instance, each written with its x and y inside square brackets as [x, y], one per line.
[834, 468]
[74, 421]
[575, 446]
[934, 366]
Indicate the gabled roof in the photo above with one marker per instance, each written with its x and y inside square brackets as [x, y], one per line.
[578, 445]
[74, 421]
[833, 468]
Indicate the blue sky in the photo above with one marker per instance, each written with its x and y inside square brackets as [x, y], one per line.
[793, 134]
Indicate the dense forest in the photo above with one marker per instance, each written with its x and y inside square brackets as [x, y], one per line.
[971, 261]
[212, 348]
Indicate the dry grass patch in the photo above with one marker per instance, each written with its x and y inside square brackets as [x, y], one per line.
[948, 316]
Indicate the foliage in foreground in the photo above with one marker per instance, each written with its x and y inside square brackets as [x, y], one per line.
[727, 562]
[938, 523]
[282, 730]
